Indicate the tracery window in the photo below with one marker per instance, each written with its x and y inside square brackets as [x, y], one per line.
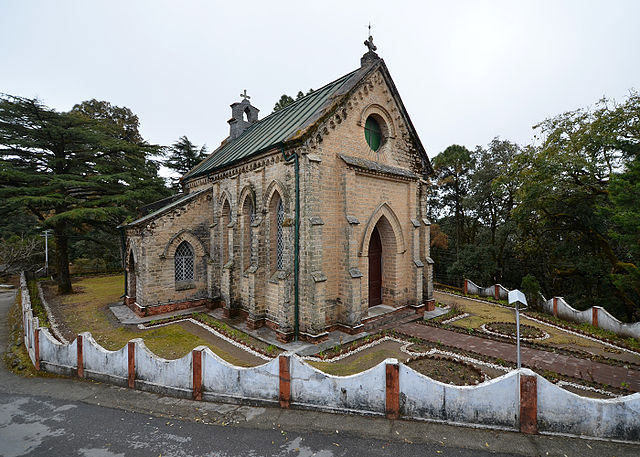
[184, 263]
[249, 216]
[279, 236]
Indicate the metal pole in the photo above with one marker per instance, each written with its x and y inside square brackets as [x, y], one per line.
[518, 332]
[46, 251]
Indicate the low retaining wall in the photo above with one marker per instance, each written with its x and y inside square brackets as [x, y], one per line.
[520, 400]
[596, 315]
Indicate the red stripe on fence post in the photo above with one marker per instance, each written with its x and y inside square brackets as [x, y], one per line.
[131, 347]
[496, 292]
[528, 405]
[465, 288]
[285, 382]
[80, 356]
[555, 306]
[594, 316]
[197, 374]
[393, 390]
[36, 344]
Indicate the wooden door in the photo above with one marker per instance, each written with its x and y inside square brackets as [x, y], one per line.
[375, 269]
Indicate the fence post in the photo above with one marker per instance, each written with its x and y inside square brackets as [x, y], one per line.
[528, 404]
[392, 403]
[285, 381]
[36, 343]
[496, 292]
[465, 287]
[197, 374]
[555, 306]
[131, 348]
[80, 356]
[594, 316]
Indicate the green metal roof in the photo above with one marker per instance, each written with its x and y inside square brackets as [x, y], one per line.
[178, 202]
[275, 128]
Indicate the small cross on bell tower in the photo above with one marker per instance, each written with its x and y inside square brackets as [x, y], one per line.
[370, 56]
[243, 114]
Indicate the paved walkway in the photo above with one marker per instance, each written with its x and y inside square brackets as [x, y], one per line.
[532, 358]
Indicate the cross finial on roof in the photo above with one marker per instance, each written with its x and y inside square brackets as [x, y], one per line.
[244, 95]
[369, 43]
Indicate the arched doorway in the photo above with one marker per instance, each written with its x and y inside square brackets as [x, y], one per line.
[375, 268]
[131, 278]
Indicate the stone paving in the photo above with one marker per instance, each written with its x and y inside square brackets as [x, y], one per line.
[532, 358]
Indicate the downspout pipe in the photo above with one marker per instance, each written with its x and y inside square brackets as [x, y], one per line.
[296, 247]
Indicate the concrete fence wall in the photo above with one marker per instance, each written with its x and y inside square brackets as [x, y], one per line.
[518, 400]
[596, 315]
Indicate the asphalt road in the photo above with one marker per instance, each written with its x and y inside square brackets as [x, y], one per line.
[69, 417]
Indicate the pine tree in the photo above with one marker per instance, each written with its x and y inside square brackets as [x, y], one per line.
[74, 172]
[183, 155]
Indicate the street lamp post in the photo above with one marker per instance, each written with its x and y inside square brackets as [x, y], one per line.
[516, 297]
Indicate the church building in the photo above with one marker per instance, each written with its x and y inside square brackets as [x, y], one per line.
[309, 220]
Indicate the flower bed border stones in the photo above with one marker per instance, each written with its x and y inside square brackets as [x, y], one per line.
[257, 352]
[492, 331]
[535, 345]
[576, 332]
[53, 323]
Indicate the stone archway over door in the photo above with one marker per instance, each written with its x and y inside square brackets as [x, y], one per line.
[131, 277]
[375, 268]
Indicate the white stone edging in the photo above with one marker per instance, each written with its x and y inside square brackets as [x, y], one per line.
[525, 316]
[455, 318]
[53, 323]
[214, 332]
[597, 340]
[490, 332]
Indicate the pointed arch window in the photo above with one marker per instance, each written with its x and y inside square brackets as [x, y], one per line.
[279, 236]
[249, 217]
[184, 263]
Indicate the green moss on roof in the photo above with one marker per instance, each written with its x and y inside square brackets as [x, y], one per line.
[278, 127]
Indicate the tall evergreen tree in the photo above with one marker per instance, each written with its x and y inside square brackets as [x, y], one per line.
[75, 171]
[183, 155]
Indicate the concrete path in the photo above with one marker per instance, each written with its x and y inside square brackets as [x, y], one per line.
[63, 416]
[535, 359]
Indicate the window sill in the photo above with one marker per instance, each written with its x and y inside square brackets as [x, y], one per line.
[185, 285]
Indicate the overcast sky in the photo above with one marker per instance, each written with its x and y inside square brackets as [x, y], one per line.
[467, 71]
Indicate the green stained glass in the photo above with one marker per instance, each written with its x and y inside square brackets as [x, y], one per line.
[373, 133]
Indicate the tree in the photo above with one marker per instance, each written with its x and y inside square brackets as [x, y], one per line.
[183, 155]
[19, 253]
[577, 211]
[74, 173]
[452, 169]
[286, 100]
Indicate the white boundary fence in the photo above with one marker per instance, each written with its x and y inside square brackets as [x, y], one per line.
[519, 400]
[596, 315]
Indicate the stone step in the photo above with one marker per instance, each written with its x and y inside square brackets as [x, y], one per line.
[390, 320]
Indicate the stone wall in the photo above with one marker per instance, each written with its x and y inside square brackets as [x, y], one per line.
[152, 246]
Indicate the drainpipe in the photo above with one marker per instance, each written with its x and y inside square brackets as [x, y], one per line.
[296, 249]
[124, 261]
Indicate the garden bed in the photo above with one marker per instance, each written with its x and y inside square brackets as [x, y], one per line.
[509, 330]
[214, 324]
[447, 370]
[607, 336]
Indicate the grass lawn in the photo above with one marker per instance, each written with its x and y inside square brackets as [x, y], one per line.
[87, 310]
[364, 360]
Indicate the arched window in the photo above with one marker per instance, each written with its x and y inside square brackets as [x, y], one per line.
[279, 236]
[276, 236]
[226, 220]
[184, 263]
[248, 218]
